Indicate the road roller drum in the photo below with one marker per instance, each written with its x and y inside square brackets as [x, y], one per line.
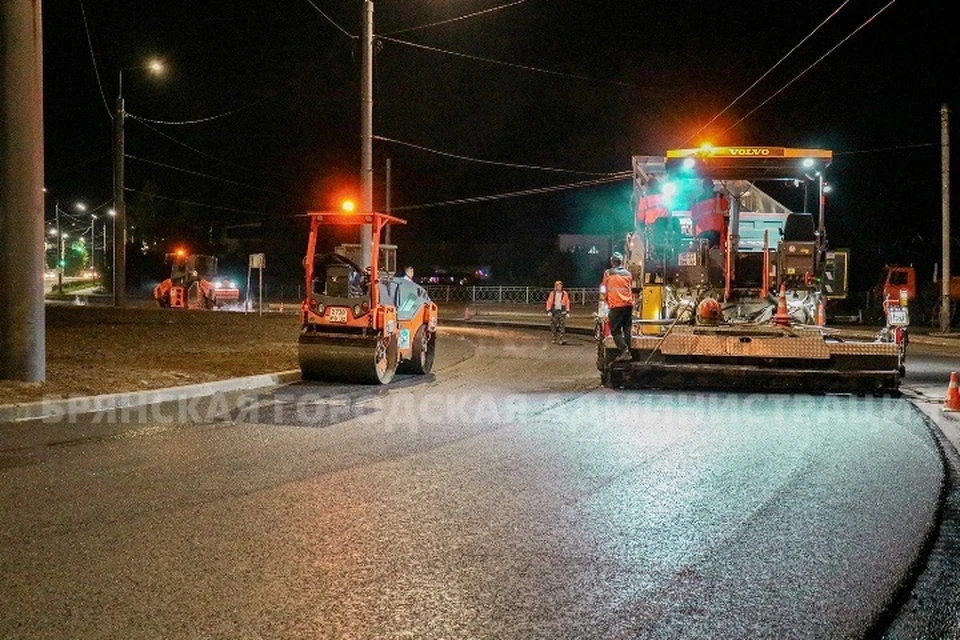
[340, 358]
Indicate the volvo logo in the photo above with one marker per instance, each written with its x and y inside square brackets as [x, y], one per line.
[749, 152]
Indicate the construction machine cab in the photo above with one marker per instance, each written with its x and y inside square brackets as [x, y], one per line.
[336, 276]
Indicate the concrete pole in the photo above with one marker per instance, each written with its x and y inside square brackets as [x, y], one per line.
[59, 251]
[93, 243]
[103, 254]
[366, 135]
[945, 207]
[22, 254]
[119, 206]
[386, 206]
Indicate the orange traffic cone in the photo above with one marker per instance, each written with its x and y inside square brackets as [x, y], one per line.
[952, 401]
[782, 318]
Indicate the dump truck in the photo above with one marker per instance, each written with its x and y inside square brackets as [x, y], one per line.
[924, 299]
[359, 323]
[730, 285]
[194, 284]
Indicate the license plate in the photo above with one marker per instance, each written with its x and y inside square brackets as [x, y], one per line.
[898, 317]
[337, 314]
[687, 259]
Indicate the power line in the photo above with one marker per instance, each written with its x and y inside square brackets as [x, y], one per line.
[919, 145]
[508, 64]
[815, 63]
[490, 162]
[186, 146]
[204, 175]
[464, 17]
[93, 58]
[202, 120]
[622, 176]
[199, 204]
[769, 71]
[331, 20]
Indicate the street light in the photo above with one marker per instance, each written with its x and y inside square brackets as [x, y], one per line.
[155, 67]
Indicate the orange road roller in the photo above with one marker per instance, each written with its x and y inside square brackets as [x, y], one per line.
[359, 324]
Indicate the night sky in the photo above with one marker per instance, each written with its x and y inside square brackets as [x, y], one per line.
[258, 118]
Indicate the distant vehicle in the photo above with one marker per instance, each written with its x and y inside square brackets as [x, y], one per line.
[194, 284]
[924, 299]
[459, 276]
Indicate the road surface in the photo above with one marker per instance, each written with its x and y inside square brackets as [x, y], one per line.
[505, 496]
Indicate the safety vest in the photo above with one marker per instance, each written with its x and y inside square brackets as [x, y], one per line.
[650, 209]
[708, 215]
[617, 287]
[564, 300]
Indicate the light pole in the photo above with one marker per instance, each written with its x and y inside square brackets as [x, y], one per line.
[62, 262]
[82, 208]
[93, 244]
[60, 252]
[119, 206]
[113, 260]
[119, 239]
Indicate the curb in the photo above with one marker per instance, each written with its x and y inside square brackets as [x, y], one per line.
[58, 405]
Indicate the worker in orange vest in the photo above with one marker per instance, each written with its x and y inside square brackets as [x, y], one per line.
[617, 289]
[558, 308]
[709, 216]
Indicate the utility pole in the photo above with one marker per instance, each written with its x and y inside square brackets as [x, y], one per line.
[59, 251]
[120, 222]
[93, 243]
[366, 135]
[945, 208]
[386, 206]
[22, 252]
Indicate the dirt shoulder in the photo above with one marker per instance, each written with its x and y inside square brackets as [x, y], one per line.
[99, 350]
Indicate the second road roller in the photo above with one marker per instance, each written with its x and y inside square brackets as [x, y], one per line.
[359, 324]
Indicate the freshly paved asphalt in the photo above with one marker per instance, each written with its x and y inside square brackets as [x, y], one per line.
[503, 497]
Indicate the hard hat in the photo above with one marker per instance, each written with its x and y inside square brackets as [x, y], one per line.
[558, 282]
[617, 256]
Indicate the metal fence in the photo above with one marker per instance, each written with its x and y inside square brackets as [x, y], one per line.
[506, 295]
[455, 293]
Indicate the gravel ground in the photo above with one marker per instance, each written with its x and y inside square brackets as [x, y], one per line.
[98, 350]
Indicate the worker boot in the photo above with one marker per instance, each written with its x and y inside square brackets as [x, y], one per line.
[624, 356]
